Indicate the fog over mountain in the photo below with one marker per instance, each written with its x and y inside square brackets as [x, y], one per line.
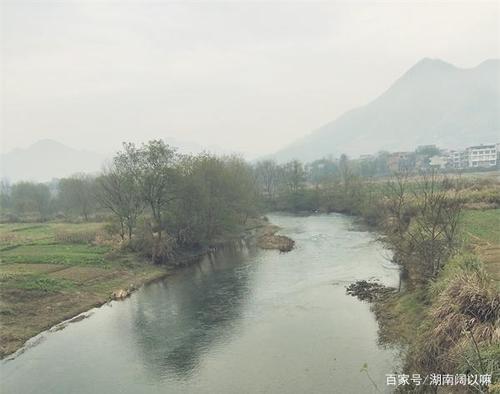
[48, 159]
[434, 102]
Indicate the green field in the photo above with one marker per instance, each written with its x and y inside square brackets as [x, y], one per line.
[482, 224]
[481, 230]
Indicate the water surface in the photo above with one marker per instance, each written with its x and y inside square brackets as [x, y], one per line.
[241, 321]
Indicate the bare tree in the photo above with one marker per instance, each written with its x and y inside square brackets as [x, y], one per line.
[268, 174]
[119, 192]
[395, 195]
[433, 234]
[153, 166]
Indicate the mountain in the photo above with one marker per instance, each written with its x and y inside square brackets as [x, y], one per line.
[434, 102]
[47, 159]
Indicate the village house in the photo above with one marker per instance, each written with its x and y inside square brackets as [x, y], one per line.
[482, 156]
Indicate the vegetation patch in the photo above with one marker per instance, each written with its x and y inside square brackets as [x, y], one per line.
[42, 283]
[481, 232]
[278, 242]
[459, 326]
[369, 291]
[483, 225]
[82, 274]
[56, 254]
[268, 239]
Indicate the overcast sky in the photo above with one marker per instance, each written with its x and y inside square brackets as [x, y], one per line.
[248, 77]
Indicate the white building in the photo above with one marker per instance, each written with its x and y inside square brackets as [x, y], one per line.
[482, 156]
[459, 159]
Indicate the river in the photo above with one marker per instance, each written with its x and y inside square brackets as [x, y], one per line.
[241, 321]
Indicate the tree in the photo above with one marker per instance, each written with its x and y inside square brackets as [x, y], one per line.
[268, 173]
[153, 166]
[433, 233]
[345, 171]
[381, 163]
[322, 171]
[293, 181]
[5, 196]
[428, 150]
[31, 198]
[396, 196]
[119, 192]
[216, 196]
[294, 176]
[77, 195]
[242, 187]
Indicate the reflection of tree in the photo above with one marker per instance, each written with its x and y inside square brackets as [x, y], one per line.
[178, 320]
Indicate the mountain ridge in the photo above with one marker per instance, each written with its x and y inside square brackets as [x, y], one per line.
[433, 102]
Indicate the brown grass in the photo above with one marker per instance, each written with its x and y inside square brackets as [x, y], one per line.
[464, 316]
[74, 237]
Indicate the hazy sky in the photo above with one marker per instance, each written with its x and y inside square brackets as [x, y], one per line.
[249, 76]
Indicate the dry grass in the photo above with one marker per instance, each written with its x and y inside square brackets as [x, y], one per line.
[75, 236]
[464, 318]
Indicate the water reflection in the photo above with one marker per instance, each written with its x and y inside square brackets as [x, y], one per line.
[197, 308]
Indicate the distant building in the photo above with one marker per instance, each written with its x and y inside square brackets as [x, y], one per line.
[421, 161]
[458, 159]
[479, 156]
[482, 156]
[399, 161]
[439, 161]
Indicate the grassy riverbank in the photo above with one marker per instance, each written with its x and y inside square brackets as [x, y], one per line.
[451, 324]
[444, 232]
[50, 272]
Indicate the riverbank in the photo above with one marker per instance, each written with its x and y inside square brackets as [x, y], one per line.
[450, 324]
[51, 272]
[444, 233]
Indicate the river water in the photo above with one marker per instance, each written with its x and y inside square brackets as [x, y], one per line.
[242, 321]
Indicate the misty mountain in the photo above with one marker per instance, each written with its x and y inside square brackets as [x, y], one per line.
[47, 159]
[432, 103]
